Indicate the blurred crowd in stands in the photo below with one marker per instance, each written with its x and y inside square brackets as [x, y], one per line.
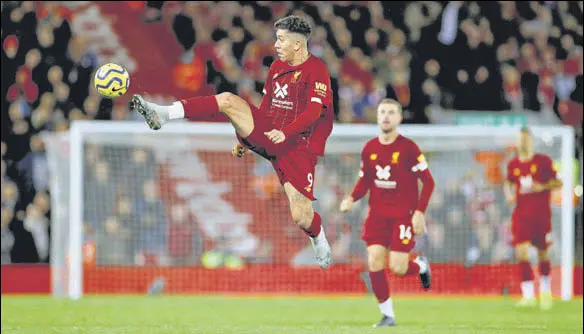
[524, 57]
[463, 55]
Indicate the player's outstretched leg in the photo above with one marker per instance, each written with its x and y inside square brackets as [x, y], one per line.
[545, 291]
[526, 274]
[311, 223]
[376, 263]
[155, 117]
[196, 109]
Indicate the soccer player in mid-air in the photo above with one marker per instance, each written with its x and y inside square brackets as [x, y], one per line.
[391, 166]
[290, 128]
[530, 179]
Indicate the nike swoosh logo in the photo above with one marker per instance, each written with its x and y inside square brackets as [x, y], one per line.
[117, 89]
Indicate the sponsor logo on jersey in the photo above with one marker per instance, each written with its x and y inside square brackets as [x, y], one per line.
[281, 91]
[383, 173]
[320, 89]
[320, 86]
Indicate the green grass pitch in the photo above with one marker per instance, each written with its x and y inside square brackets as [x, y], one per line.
[280, 314]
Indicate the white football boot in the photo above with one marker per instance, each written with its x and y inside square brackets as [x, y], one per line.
[154, 116]
[322, 249]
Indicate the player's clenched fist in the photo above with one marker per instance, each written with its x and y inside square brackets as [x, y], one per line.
[418, 222]
[239, 150]
[347, 204]
[276, 136]
[511, 199]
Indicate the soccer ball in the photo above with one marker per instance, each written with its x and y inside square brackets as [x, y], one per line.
[112, 80]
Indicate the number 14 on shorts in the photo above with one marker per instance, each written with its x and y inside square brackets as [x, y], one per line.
[405, 234]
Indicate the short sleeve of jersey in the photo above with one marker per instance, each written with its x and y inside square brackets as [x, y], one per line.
[319, 83]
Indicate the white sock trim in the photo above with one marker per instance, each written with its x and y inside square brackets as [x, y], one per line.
[423, 266]
[386, 308]
[320, 237]
[527, 289]
[176, 110]
[544, 284]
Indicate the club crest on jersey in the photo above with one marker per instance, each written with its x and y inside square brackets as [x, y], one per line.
[373, 156]
[533, 169]
[395, 158]
[296, 75]
[516, 172]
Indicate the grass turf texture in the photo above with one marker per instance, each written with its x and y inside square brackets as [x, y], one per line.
[280, 314]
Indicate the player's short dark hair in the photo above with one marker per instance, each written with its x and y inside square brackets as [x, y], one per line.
[294, 24]
[525, 130]
[391, 101]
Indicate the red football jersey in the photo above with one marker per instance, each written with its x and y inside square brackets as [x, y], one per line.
[390, 172]
[539, 169]
[289, 90]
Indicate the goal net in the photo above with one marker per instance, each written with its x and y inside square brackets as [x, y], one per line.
[172, 211]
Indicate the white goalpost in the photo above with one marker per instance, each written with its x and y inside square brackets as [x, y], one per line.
[131, 205]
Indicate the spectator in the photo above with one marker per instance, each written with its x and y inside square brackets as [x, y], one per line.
[113, 247]
[7, 238]
[37, 224]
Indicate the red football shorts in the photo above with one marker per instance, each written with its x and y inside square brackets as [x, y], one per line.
[535, 229]
[396, 234]
[293, 162]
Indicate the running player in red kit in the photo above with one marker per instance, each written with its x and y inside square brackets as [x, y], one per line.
[530, 179]
[391, 165]
[290, 128]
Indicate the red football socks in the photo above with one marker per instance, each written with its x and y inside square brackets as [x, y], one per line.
[413, 269]
[315, 226]
[379, 285]
[525, 271]
[200, 108]
[545, 268]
